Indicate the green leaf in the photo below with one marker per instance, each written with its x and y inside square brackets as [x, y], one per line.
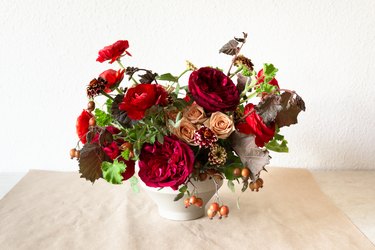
[108, 103]
[160, 138]
[269, 72]
[280, 147]
[179, 196]
[231, 186]
[134, 184]
[125, 154]
[183, 189]
[112, 171]
[177, 90]
[102, 118]
[167, 77]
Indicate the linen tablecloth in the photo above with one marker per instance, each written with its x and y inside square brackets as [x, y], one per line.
[58, 210]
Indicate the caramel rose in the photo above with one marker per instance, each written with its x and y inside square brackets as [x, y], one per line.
[221, 124]
[195, 114]
[186, 131]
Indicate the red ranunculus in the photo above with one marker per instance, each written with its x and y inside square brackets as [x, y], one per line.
[113, 151]
[260, 79]
[114, 51]
[112, 78]
[142, 97]
[82, 125]
[213, 90]
[166, 165]
[254, 125]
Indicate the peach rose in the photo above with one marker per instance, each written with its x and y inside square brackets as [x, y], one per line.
[185, 131]
[195, 114]
[221, 124]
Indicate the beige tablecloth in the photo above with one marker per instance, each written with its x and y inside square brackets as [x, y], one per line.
[58, 210]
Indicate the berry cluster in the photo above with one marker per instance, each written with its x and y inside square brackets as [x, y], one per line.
[216, 209]
[193, 200]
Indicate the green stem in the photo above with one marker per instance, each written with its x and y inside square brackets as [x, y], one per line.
[119, 90]
[105, 94]
[119, 62]
[238, 70]
[183, 73]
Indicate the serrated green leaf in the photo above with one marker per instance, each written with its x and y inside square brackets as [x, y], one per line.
[269, 71]
[231, 186]
[102, 118]
[125, 154]
[112, 171]
[167, 77]
[179, 196]
[108, 103]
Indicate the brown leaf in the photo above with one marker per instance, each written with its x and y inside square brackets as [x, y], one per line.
[90, 161]
[120, 115]
[291, 106]
[105, 137]
[241, 82]
[251, 156]
[148, 77]
[268, 108]
[230, 48]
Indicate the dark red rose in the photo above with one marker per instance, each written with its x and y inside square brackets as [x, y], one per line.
[142, 97]
[114, 51]
[112, 78]
[82, 125]
[254, 125]
[260, 79]
[113, 151]
[213, 90]
[165, 165]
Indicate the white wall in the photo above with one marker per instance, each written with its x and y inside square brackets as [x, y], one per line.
[323, 49]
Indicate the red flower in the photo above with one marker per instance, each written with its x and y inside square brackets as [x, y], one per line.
[213, 90]
[254, 125]
[260, 77]
[114, 51]
[166, 165]
[112, 78]
[142, 97]
[82, 125]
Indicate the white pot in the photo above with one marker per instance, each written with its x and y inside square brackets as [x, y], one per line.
[175, 210]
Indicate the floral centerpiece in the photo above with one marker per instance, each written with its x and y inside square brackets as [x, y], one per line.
[219, 126]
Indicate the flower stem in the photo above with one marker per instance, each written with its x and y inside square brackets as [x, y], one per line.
[119, 62]
[119, 90]
[234, 58]
[105, 94]
[238, 70]
[183, 73]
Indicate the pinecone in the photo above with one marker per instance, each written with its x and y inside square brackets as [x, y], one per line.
[217, 155]
[204, 137]
[95, 87]
[244, 61]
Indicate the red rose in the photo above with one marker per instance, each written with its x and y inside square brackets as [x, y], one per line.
[113, 151]
[213, 90]
[112, 78]
[142, 97]
[254, 125]
[82, 125]
[114, 51]
[165, 165]
[260, 79]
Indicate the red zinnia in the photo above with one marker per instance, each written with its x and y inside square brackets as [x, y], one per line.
[254, 125]
[114, 51]
[112, 78]
[82, 125]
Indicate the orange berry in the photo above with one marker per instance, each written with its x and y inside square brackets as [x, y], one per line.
[260, 182]
[90, 106]
[245, 172]
[193, 199]
[199, 202]
[214, 207]
[237, 172]
[224, 211]
[254, 186]
[77, 154]
[92, 121]
[187, 202]
[211, 214]
[72, 153]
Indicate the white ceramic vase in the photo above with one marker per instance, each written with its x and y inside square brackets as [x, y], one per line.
[175, 210]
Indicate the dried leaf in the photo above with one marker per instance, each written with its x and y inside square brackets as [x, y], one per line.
[120, 115]
[230, 48]
[291, 106]
[268, 108]
[148, 77]
[241, 82]
[251, 156]
[105, 137]
[90, 161]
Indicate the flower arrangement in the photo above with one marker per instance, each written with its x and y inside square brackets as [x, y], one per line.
[211, 127]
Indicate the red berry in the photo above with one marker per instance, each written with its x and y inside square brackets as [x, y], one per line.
[214, 207]
[211, 214]
[193, 199]
[90, 106]
[72, 153]
[245, 172]
[199, 202]
[77, 154]
[92, 121]
[224, 211]
[237, 172]
[187, 202]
